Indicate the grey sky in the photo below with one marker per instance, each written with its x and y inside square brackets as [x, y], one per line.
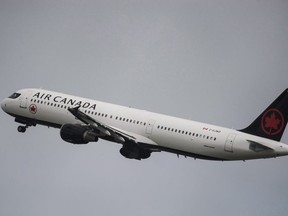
[220, 62]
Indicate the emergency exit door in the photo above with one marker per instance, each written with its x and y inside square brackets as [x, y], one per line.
[150, 126]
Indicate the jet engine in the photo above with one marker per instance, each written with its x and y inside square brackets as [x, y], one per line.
[134, 152]
[77, 134]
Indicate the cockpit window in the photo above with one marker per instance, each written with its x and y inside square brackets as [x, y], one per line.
[14, 95]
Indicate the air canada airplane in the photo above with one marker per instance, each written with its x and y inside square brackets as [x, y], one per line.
[140, 132]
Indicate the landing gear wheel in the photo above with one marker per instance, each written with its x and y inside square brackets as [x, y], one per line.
[21, 129]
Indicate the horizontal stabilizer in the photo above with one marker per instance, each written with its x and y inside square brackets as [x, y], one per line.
[258, 147]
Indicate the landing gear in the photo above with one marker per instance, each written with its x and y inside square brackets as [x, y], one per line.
[22, 129]
[27, 123]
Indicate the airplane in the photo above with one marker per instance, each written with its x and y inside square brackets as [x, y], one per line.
[141, 132]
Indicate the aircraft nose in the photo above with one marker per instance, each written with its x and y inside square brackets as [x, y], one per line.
[3, 104]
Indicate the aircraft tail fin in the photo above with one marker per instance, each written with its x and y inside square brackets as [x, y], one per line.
[272, 122]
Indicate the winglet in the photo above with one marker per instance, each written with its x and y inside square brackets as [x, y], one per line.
[74, 109]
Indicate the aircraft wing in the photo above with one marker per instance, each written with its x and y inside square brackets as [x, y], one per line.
[108, 132]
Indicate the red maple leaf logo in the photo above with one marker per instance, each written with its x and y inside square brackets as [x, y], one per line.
[33, 108]
[272, 122]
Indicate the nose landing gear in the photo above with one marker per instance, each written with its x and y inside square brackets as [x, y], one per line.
[22, 129]
[27, 122]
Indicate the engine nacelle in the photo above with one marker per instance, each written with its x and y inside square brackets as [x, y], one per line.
[77, 134]
[134, 152]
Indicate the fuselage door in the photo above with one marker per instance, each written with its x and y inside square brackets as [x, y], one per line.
[24, 100]
[150, 126]
[229, 143]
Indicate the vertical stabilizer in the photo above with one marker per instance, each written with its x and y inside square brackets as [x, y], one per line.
[272, 122]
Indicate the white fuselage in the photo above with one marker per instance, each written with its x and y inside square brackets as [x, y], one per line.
[194, 138]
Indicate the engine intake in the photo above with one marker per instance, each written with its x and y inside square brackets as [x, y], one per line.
[77, 134]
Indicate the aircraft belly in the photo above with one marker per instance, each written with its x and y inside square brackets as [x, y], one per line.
[190, 145]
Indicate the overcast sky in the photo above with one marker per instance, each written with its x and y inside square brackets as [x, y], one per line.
[219, 62]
